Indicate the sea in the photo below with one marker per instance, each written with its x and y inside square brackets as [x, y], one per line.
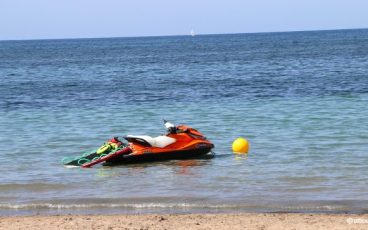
[299, 98]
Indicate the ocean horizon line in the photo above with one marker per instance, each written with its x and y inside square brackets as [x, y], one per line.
[180, 35]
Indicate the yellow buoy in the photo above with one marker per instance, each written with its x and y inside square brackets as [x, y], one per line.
[240, 145]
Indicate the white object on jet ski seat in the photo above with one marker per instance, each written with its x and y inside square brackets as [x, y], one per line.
[169, 125]
[160, 141]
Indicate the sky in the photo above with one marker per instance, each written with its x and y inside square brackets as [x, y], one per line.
[48, 19]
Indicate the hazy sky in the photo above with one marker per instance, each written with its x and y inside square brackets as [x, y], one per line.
[33, 19]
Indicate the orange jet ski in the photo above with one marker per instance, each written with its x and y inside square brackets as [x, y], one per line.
[180, 142]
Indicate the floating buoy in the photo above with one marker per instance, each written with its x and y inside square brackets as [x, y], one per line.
[240, 145]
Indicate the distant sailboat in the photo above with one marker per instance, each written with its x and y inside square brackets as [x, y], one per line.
[192, 33]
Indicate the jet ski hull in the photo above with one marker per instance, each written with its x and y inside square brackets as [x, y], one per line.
[164, 156]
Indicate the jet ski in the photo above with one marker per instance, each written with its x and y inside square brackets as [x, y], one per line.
[180, 142]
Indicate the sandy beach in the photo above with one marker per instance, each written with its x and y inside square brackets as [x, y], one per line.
[189, 221]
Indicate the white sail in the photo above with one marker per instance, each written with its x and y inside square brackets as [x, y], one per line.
[192, 33]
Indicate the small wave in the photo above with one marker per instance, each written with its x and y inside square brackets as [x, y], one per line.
[98, 205]
[178, 207]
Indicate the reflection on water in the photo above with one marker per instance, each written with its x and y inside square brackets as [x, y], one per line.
[241, 157]
[185, 167]
[104, 172]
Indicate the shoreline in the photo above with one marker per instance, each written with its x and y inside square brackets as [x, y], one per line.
[188, 221]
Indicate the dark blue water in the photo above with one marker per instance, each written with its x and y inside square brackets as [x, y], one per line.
[300, 98]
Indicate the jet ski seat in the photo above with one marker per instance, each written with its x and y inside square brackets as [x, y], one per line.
[160, 141]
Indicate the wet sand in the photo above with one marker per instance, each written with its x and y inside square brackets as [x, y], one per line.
[189, 221]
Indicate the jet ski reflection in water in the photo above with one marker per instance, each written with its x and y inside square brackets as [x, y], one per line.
[180, 142]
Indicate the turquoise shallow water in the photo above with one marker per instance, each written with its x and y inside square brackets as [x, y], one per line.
[300, 98]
